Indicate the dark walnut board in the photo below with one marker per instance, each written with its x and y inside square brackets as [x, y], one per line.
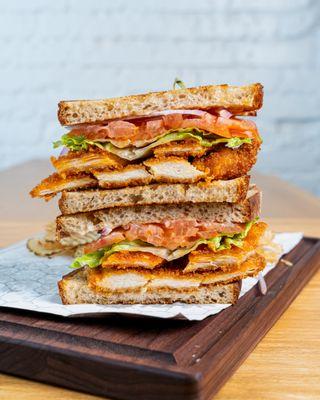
[148, 358]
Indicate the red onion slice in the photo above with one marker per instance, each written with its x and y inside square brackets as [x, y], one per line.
[262, 284]
[198, 113]
[185, 112]
[64, 151]
[105, 231]
[225, 114]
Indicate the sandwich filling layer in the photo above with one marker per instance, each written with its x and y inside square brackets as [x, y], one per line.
[141, 132]
[207, 249]
[114, 280]
[166, 148]
[74, 289]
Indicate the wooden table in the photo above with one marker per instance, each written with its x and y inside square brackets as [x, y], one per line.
[285, 365]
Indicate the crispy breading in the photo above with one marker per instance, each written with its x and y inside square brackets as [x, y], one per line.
[131, 175]
[205, 259]
[251, 267]
[132, 259]
[111, 280]
[79, 161]
[173, 170]
[183, 148]
[223, 163]
[162, 170]
[55, 183]
[226, 163]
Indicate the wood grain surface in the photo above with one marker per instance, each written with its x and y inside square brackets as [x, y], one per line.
[284, 365]
[175, 360]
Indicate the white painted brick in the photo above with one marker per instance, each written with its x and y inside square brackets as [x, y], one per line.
[295, 24]
[237, 26]
[33, 6]
[67, 49]
[181, 6]
[302, 81]
[172, 53]
[293, 106]
[316, 53]
[269, 5]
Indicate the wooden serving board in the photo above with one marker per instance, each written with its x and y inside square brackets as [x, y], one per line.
[147, 358]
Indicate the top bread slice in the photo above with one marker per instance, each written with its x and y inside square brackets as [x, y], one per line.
[237, 99]
[230, 191]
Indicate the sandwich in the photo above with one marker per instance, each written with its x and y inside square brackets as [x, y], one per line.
[181, 136]
[163, 253]
[156, 201]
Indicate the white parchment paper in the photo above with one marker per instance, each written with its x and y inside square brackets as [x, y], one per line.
[29, 282]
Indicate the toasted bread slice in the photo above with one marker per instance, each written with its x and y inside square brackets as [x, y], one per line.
[236, 99]
[231, 191]
[74, 289]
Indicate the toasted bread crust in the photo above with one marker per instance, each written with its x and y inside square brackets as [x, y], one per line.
[226, 163]
[232, 191]
[237, 99]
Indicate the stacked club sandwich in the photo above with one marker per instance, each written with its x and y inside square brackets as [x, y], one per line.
[156, 197]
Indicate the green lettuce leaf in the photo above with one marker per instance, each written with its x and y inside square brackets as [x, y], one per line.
[92, 260]
[217, 243]
[131, 153]
[236, 239]
[235, 142]
[179, 82]
[76, 143]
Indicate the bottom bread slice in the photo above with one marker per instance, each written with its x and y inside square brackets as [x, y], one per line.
[74, 289]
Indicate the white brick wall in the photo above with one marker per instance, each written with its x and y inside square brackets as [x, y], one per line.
[62, 49]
